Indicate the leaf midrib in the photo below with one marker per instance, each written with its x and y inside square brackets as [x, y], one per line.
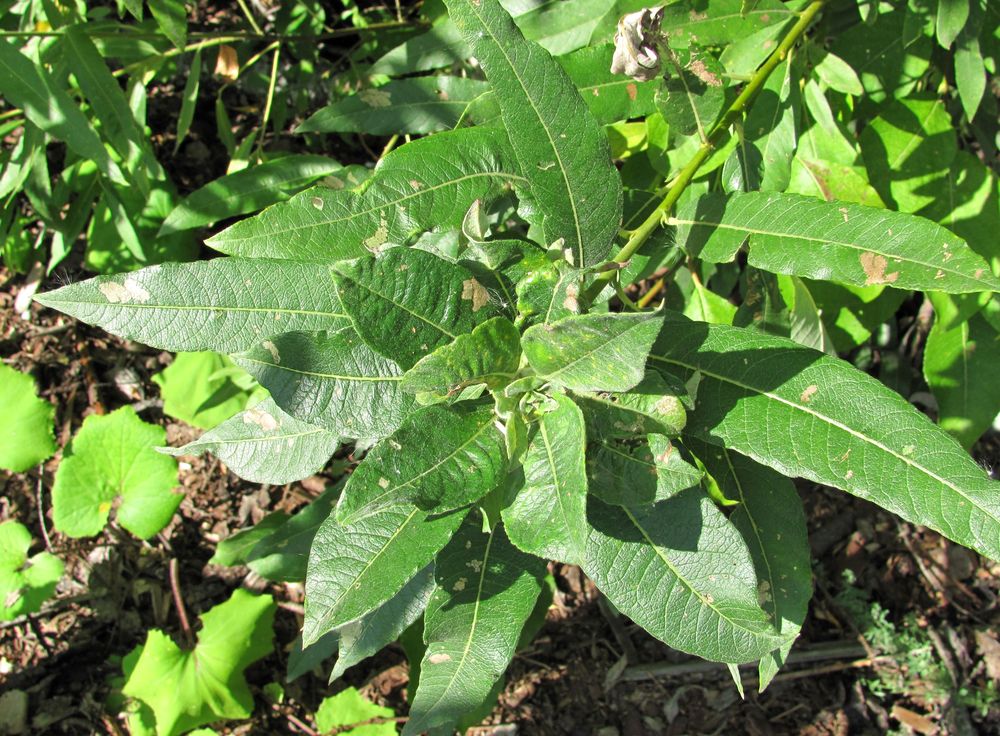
[317, 374]
[191, 307]
[834, 423]
[357, 282]
[608, 340]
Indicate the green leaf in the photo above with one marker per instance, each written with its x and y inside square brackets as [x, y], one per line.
[960, 367]
[833, 241]
[769, 516]
[490, 354]
[593, 352]
[719, 22]
[638, 472]
[770, 125]
[112, 464]
[438, 47]
[282, 555]
[355, 569]
[171, 17]
[486, 589]
[189, 100]
[25, 422]
[610, 97]
[951, 18]
[226, 304]
[25, 582]
[45, 104]
[562, 151]
[427, 184]
[248, 190]
[838, 75]
[653, 406]
[348, 707]
[189, 689]
[548, 517]
[419, 105]
[439, 459]
[408, 302]
[806, 414]
[692, 94]
[265, 445]
[365, 637]
[233, 550]
[331, 379]
[681, 571]
[970, 73]
[204, 389]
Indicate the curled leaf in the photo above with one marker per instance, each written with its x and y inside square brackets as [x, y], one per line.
[636, 53]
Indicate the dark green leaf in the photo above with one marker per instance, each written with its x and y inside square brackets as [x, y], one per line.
[640, 472]
[282, 555]
[653, 406]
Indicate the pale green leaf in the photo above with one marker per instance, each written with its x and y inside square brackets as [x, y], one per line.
[348, 707]
[233, 550]
[226, 304]
[204, 389]
[951, 18]
[486, 590]
[771, 125]
[593, 352]
[439, 459]
[189, 689]
[355, 569]
[25, 582]
[331, 379]
[833, 241]
[265, 445]
[562, 151]
[682, 571]
[25, 422]
[807, 414]
[610, 97]
[547, 517]
[112, 463]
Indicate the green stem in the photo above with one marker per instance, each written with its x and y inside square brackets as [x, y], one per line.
[270, 99]
[687, 174]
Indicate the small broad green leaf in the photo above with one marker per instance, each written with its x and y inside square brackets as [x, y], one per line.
[960, 366]
[348, 707]
[25, 582]
[112, 463]
[205, 389]
[439, 459]
[171, 17]
[547, 517]
[189, 689]
[769, 515]
[25, 422]
[486, 590]
[610, 97]
[561, 149]
[807, 414]
[680, 570]
[653, 406]
[771, 126]
[593, 352]
[233, 550]
[407, 302]
[248, 190]
[283, 554]
[418, 105]
[719, 22]
[834, 241]
[265, 445]
[355, 569]
[427, 184]
[331, 379]
[837, 74]
[490, 354]
[692, 94]
[47, 105]
[951, 18]
[638, 472]
[362, 638]
[226, 304]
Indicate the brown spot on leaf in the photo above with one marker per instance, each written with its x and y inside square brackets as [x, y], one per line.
[808, 393]
[631, 89]
[698, 68]
[874, 268]
[475, 292]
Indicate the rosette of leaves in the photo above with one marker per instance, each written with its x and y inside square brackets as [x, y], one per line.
[456, 315]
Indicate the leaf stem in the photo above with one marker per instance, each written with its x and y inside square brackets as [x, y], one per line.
[175, 589]
[270, 99]
[687, 174]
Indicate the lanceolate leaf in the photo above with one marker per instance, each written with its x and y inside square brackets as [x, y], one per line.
[769, 516]
[490, 354]
[804, 413]
[639, 472]
[653, 406]
[355, 569]
[246, 191]
[440, 459]
[486, 589]
[548, 517]
[681, 571]
[265, 445]
[593, 352]
[226, 304]
[331, 379]
[283, 554]
[832, 241]
[718, 22]
[408, 302]
[427, 184]
[420, 105]
[562, 151]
